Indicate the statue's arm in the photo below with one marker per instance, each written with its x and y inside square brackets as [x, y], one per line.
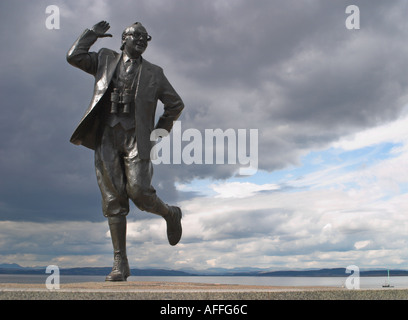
[79, 55]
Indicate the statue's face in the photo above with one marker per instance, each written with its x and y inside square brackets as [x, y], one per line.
[135, 40]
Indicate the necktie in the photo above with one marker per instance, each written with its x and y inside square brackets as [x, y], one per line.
[130, 65]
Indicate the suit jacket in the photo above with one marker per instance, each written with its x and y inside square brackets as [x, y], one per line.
[153, 86]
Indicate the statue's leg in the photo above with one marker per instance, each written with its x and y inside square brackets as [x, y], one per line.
[115, 204]
[120, 270]
[139, 174]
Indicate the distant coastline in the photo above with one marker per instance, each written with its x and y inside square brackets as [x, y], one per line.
[241, 272]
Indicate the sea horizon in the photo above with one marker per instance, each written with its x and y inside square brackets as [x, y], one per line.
[13, 268]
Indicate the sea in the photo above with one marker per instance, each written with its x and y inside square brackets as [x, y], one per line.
[398, 282]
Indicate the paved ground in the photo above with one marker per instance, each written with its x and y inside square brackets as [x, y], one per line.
[135, 290]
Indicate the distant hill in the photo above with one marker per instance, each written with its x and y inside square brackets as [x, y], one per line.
[134, 272]
[334, 272]
[10, 265]
[13, 268]
[16, 269]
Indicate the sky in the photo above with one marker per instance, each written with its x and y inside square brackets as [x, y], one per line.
[329, 105]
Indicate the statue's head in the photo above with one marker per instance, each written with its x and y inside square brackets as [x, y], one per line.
[135, 39]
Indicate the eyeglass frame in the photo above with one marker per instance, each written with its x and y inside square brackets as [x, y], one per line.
[137, 35]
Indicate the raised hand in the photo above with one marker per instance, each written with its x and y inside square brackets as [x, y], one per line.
[100, 28]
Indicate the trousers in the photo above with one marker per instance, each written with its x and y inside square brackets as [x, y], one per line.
[122, 175]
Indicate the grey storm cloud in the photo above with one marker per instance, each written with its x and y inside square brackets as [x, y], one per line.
[289, 69]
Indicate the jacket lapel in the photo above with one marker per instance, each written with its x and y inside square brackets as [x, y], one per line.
[110, 68]
[107, 71]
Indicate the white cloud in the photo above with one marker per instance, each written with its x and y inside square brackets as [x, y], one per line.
[391, 132]
[361, 244]
[240, 189]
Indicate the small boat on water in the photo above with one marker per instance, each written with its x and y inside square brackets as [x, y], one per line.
[387, 283]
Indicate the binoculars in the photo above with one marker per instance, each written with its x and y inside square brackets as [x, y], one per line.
[125, 98]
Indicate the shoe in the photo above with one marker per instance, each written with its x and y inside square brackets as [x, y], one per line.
[173, 220]
[120, 270]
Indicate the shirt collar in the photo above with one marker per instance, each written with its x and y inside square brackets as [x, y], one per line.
[126, 58]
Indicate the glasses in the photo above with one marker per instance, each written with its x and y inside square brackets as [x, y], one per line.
[138, 35]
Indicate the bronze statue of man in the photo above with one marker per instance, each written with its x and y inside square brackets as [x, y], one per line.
[118, 124]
